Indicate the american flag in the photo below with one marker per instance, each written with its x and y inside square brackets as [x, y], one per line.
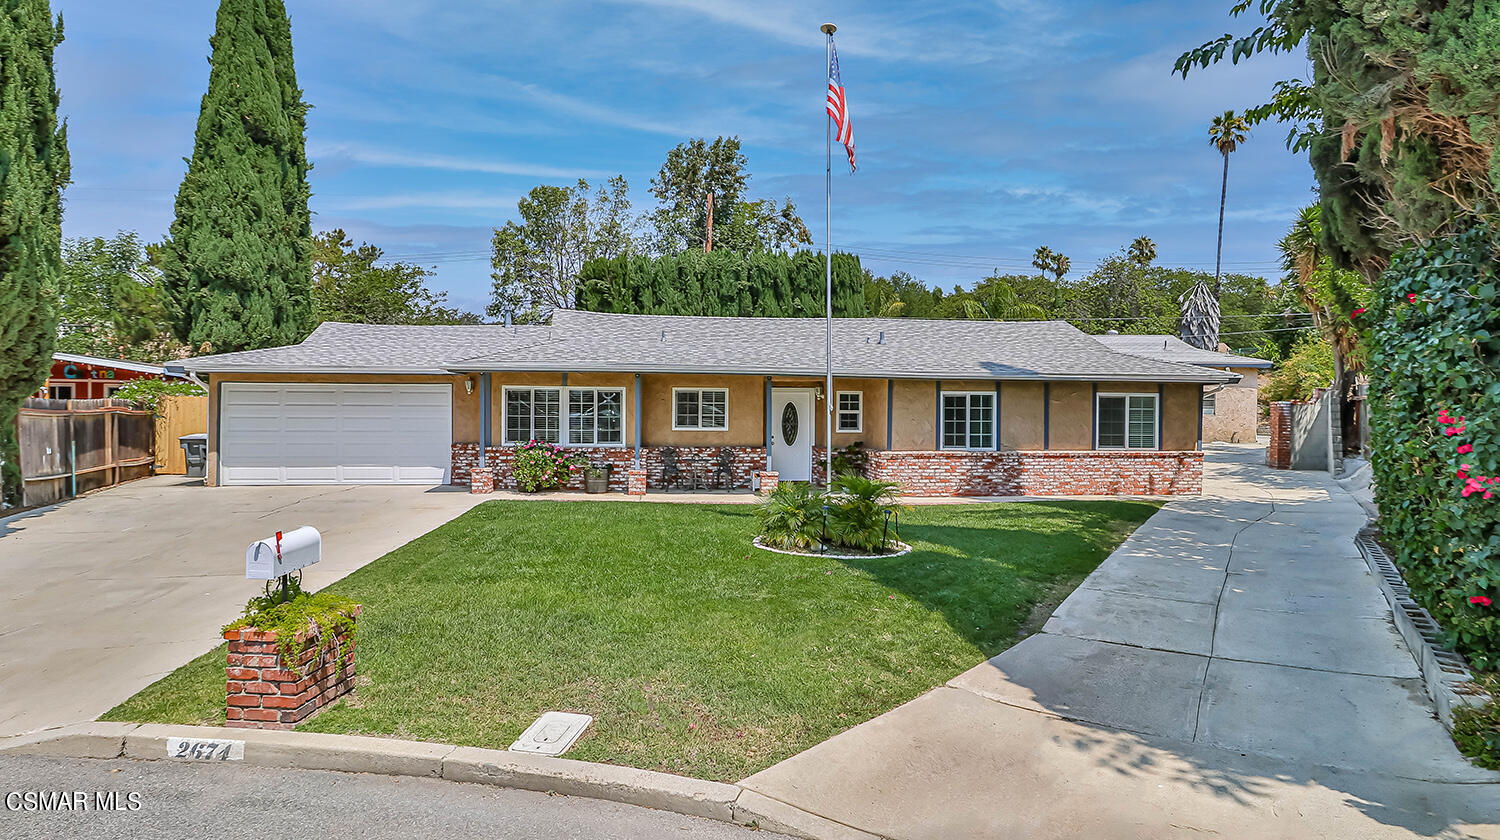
[838, 107]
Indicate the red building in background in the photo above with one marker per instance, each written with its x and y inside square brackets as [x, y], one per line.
[76, 377]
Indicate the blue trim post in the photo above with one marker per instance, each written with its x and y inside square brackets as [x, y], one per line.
[997, 415]
[1200, 419]
[1161, 394]
[486, 408]
[214, 421]
[890, 406]
[768, 424]
[636, 416]
[939, 430]
[1094, 417]
[1046, 415]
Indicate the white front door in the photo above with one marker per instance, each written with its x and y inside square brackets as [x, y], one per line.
[793, 428]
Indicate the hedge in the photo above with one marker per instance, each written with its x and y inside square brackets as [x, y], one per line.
[773, 285]
[1433, 336]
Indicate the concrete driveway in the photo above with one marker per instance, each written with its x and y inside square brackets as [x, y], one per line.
[107, 593]
[1231, 671]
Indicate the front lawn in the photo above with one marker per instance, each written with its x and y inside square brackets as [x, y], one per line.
[695, 653]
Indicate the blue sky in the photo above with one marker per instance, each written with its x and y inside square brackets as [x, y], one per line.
[984, 128]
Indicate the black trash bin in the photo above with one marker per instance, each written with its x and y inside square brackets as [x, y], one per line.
[195, 450]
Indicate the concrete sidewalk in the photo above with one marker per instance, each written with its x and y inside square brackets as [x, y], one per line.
[1230, 670]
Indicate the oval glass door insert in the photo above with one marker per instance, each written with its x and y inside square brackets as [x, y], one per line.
[789, 424]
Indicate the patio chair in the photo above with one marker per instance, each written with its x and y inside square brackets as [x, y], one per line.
[723, 470]
[671, 470]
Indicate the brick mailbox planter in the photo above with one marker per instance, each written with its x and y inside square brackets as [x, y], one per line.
[262, 694]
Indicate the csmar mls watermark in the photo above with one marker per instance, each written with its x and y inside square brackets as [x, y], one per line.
[47, 801]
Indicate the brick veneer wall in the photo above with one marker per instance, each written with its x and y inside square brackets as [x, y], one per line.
[1083, 473]
[262, 694]
[939, 473]
[1279, 452]
[747, 459]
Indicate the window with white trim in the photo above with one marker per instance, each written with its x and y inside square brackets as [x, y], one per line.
[533, 414]
[968, 420]
[851, 411]
[1209, 404]
[59, 392]
[1126, 421]
[596, 416]
[700, 408]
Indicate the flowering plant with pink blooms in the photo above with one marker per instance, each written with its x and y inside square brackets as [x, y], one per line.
[1432, 338]
[540, 465]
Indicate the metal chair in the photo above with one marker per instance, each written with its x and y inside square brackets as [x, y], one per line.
[671, 470]
[723, 469]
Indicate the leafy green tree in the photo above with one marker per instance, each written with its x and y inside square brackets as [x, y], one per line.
[33, 170]
[696, 169]
[775, 285]
[1307, 367]
[237, 261]
[536, 261]
[112, 303]
[350, 285]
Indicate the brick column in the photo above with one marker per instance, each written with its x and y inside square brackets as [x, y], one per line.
[262, 694]
[635, 482]
[766, 482]
[1279, 452]
[482, 480]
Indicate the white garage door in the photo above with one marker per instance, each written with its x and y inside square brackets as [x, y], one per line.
[335, 433]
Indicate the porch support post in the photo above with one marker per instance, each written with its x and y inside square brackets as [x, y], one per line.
[1046, 415]
[1094, 417]
[484, 417]
[1200, 418]
[997, 415]
[938, 415]
[1161, 399]
[768, 424]
[890, 403]
[636, 415]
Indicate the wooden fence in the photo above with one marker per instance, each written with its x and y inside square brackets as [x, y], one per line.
[73, 446]
[176, 416]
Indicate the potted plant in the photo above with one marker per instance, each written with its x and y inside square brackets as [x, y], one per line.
[596, 478]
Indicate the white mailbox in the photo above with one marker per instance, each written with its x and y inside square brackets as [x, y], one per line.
[283, 553]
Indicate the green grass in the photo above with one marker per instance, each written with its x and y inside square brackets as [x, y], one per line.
[695, 653]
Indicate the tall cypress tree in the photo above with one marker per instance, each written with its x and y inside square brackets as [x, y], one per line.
[237, 262]
[33, 170]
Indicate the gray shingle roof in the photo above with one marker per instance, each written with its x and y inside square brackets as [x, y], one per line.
[1170, 348]
[371, 348]
[900, 348]
[862, 347]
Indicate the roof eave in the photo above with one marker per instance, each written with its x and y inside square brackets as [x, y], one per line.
[1206, 379]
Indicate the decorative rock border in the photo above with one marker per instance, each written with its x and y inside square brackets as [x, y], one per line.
[905, 549]
[1446, 674]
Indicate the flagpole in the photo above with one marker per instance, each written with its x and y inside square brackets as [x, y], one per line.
[828, 398]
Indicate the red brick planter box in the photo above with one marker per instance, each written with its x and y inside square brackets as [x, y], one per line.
[262, 693]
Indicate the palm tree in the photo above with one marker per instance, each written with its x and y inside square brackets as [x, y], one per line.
[1226, 133]
[1142, 251]
[1200, 306]
[1329, 293]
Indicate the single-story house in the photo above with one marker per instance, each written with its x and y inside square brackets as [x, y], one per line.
[79, 377]
[942, 407]
[1230, 411]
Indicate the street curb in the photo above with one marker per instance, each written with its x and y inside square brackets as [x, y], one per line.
[283, 749]
[1445, 673]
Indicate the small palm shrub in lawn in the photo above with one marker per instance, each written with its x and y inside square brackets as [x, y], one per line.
[696, 653]
[851, 516]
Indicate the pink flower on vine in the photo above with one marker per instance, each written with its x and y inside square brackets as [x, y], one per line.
[1465, 449]
[1411, 297]
[1481, 600]
[1454, 430]
[1463, 471]
[1471, 487]
[1358, 312]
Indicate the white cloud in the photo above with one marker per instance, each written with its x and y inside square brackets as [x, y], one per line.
[372, 156]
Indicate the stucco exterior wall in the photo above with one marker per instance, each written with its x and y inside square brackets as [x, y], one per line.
[1022, 416]
[914, 414]
[1236, 410]
[1072, 415]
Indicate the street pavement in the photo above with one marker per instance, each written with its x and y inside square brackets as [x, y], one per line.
[107, 593]
[192, 801]
[1231, 670]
